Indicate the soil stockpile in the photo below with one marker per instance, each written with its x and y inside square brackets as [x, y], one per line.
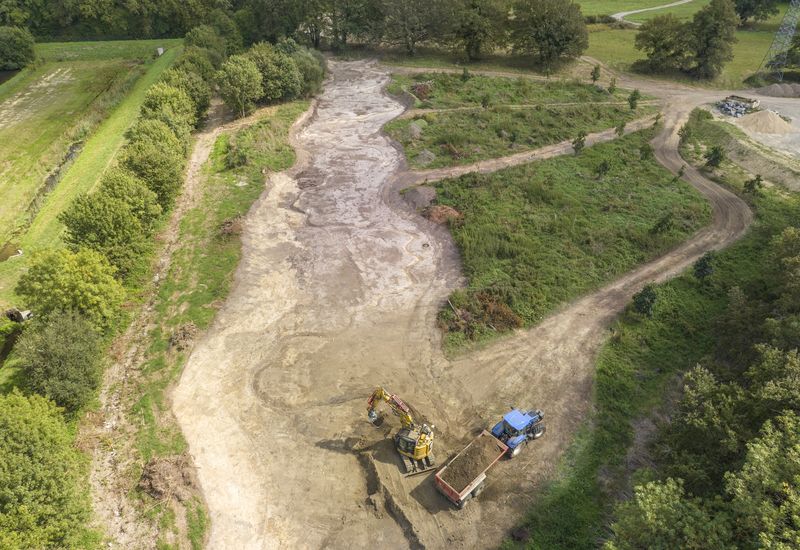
[765, 122]
[471, 462]
[783, 89]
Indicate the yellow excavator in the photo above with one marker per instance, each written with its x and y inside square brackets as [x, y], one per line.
[413, 442]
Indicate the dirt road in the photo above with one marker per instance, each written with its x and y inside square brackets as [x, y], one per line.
[337, 292]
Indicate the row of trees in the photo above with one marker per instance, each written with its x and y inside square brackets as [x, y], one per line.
[700, 47]
[729, 460]
[16, 48]
[78, 294]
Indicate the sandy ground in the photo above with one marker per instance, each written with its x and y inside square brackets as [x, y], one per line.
[337, 292]
[785, 143]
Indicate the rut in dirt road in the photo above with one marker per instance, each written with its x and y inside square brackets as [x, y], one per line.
[338, 292]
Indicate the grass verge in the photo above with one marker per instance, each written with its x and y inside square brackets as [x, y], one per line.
[536, 236]
[201, 273]
[641, 362]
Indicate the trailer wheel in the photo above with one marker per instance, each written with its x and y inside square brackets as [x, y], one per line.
[478, 490]
[463, 501]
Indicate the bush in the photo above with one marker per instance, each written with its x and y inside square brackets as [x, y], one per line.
[83, 281]
[312, 70]
[280, 76]
[155, 131]
[159, 166]
[107, 225]
[40, 503]
[207, 37]
[644, 301]
[194, 86]
[240, 84]
[172, 106]
[199, 61]
[16, 48]
[123, 185]
[61, 356]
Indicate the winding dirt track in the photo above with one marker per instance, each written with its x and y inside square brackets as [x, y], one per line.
[337, 292]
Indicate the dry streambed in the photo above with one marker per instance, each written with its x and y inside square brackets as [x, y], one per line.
[337, 292]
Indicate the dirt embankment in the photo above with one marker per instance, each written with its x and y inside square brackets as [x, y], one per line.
[338, 292]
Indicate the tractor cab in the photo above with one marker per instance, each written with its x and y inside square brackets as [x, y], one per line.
[519, 427]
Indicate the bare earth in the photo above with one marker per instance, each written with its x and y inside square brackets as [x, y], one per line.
[337, 292]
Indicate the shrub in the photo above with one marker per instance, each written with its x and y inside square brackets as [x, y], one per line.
[83, 281]
[172, 106]
[16, 48]
[714, 156]
[123, 185]
[280, 76]
[159, 166]
[40, 504]
[107, 225]
[194, 86]
[155, 131]
[240, 83]
[199, 61]
[312, 70]
[207, 37]
[704, 267]
[61, 356]
[644, 301]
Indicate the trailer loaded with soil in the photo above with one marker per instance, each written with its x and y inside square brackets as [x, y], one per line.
[464, 477]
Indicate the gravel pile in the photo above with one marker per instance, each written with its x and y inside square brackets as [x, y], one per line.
[782, 89]
[765, 122]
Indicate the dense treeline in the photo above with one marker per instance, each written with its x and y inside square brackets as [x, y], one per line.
[728, 462]
[78, 292]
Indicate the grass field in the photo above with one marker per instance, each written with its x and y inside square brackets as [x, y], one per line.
[638, 370]
[536, 236]
[610, 7]
[98, 151]
[488, 122]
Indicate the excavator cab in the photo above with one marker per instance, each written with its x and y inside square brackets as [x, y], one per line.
[414, 443]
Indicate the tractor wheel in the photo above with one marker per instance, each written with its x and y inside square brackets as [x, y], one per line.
[515, 451]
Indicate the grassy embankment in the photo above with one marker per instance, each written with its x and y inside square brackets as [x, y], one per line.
[48, 128]
[536, 236]
[500, 116]
[200, 277]
[615, 47]
[638, 369]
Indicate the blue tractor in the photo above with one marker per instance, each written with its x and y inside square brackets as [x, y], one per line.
[518, 427]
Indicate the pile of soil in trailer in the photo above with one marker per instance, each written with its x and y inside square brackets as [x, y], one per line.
[471, 462]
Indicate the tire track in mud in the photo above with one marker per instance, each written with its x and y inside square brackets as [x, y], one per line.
[337, 292]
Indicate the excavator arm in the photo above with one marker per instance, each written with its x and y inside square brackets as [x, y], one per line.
[397, 405]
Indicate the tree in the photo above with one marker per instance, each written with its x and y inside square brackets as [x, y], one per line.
[646, 151]
[753, 185]
[633, 99]
[61, 356]
[757, 10]
[603, 168]
[193, 85]
[666, 41]
[714, 156]
[16, 48]
[478, 25]
[41, 505]
[764, 492]
[595, 74]
[644, 301]
[348, 18]
[125, 186]
[311, 66]
[579, 142]
[155, 131]
[612, 86]
[704, 267]
[775, 380]
[549, 29]
[660, 516]
[83, 281]
[172, 106]
[713, 36]
[198, 61]
[107, 225]
[280, 77]
[159, 166]
[206, 36]
[410, 22]
[240, 84]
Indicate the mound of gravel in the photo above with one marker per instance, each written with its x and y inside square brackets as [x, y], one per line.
[765, 122]
[782, 89]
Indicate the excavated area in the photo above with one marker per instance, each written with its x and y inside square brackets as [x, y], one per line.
[337, 292]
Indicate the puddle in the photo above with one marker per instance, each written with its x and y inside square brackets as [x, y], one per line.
[7, 75]
[9, 250]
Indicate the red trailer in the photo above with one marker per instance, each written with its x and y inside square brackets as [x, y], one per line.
[464, 477]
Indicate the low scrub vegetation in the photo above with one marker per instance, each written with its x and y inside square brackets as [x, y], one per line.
[536, 236]
[714, 365]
